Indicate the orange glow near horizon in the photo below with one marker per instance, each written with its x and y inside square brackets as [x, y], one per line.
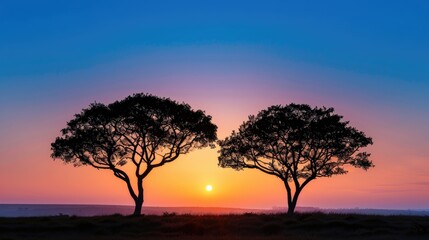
[183, 182]
[32, 177]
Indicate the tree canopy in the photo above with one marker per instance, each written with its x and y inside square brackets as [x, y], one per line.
[143, 130]
[296, 143]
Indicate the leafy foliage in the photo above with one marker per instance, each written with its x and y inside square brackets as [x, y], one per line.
[296, 143]
[144, 130]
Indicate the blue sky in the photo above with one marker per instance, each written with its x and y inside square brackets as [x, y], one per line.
[387, 38]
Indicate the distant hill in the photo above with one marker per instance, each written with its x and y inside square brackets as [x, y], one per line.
[366, 211]
[31, 210]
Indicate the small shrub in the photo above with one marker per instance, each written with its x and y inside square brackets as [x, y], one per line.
[167, 214]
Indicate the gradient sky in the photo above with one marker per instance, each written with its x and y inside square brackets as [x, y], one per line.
[367, 59]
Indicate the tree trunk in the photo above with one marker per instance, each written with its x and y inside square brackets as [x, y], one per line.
[290, 204]
[291, 207]
[138, 207]
[138, 199]
[292, 200]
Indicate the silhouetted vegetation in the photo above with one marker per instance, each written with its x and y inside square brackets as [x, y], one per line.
[297, 144]
[315, 226]
[144, 130]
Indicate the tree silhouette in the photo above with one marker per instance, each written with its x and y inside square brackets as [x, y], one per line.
[297, 144]
[143, 130]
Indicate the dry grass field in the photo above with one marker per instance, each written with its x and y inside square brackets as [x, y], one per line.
[312, 226]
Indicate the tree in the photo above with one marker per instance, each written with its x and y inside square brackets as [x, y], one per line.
[297, 144]
[143, 130]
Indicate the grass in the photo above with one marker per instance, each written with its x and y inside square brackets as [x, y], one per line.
[311, 226]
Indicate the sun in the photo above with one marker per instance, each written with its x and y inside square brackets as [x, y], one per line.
[209, 188]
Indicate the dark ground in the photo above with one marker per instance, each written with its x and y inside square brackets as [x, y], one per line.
[246, 226]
